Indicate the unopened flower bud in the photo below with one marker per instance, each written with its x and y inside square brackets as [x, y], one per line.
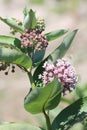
[34, 39]
[40, 24]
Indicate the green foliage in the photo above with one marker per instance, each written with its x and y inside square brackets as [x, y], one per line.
[54, 112]
[16, 126]
[55, 34]
[75, 112]
[59, 52]
[37, 57]
[29, 20]
[37, 1]
[46, 98]
[40, 98]
[10, 52]
[13, 55]
[10, 41]
[25, 12]
[81, 90]
[13, 24]
[77, 126]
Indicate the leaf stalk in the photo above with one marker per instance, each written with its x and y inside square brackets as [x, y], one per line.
[31, 80]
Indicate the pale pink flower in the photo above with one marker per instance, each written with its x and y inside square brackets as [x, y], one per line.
[63, 70]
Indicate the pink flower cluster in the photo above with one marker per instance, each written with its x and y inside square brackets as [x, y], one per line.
[63, 70]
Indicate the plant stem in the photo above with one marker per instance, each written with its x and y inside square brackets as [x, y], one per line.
[31, 80]
[47, 120]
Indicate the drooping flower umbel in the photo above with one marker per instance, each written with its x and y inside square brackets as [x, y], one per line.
[63, 70]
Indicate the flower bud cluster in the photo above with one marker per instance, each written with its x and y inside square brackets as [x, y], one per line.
[40, 25]
[34, 39]
[63, 70]
[6, 66]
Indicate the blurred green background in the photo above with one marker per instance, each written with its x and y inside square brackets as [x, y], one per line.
[58, 14]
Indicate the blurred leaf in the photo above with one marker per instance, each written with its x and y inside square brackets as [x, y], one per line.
[55, 34]
[38, 56]
[77, 126]
[72, 114]
[41, 121]
[54, 112]
[13, 24]
[30, 20]
[46, 98]
[84, 123]
[62, 6]
[16, 126]
[13, 55]
[25, 11]
[81, 90]
[37, 1]
[66, 100]
[58, 53]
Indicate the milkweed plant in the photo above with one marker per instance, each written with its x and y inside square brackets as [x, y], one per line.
[50, 77]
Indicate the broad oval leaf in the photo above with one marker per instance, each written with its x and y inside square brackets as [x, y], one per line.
[10, 41]
[13, 24]
[59, 52]
[37, 57]
[46, 98]
[30, 20]
[16, 126]
[55, 34]
[72, 114]
[15, 56]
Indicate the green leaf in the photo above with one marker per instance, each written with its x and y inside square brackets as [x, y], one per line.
[16, 126]
[15, 56]
[25, 12]
[13, 24]
[10, 41]
[38, 56]
[58, 53]
[53, 113]
[46, 98]
[55, 34]
[72, 114]
[30, 20]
